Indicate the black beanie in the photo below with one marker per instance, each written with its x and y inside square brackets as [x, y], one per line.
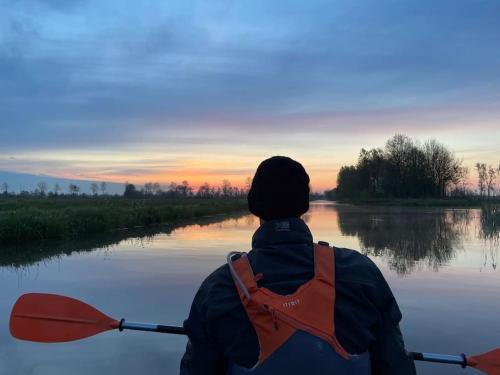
[280, 189]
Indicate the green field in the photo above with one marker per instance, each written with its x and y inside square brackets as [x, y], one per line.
[32, 219]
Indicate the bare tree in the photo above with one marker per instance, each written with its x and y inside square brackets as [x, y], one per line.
[57, 188]
[490, 180]
[73, 189]
[463, 174]
[498, 171]
[443, 166]
[156, 188]
[42, 188]
[5, 188]
[185, 189]
[227, 189]
[103, 187]
[148, 188]
[94, 188]
[482, 175]
[204, 191]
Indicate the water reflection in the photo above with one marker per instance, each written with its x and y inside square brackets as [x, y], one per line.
[28, 254]
[489, 232]
[406, 239]
[412, 238]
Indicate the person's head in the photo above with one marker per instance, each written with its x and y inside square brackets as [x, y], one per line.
[280, 189]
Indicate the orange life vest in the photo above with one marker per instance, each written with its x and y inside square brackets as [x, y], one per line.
[310, 310]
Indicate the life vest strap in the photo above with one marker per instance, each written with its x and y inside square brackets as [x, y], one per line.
[242, 273]
[324, 263]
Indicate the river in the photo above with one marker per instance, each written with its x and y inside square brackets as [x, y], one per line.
[440, 263]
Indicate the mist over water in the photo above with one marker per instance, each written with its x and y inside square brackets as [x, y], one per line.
[440, 263]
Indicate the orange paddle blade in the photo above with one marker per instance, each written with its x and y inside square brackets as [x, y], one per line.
[488, 363]
[45, 317]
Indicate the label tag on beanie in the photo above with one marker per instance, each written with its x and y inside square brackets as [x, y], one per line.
[282, 226]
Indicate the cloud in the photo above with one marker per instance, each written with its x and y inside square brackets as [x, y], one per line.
[196, 77]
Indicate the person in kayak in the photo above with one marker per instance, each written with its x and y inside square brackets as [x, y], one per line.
[290, 305]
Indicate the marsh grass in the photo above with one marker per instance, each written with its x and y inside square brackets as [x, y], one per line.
[32, 219]
[19, 255]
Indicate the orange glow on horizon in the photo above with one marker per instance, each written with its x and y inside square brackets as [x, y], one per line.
[318, 183]
[197, 172]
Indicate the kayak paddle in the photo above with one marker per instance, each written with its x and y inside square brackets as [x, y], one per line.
[43, 317]
[489, 362]
[48, 318]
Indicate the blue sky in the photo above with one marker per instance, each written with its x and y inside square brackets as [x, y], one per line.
[168, 90]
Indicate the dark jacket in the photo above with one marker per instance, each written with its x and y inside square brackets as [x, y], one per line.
[366, 313]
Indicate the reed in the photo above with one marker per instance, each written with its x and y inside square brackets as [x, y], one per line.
[32, 219]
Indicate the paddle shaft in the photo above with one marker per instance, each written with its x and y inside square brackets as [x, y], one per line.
[417, 356]
[440, 358]
[149, 327]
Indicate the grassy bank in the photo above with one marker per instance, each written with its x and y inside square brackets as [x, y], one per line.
[31, 219]
[27, 253]
[431, 202]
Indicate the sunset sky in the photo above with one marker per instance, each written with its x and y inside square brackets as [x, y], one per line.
[202, 91]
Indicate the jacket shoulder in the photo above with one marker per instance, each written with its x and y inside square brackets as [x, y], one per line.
[219, 281]
[358, 271]
[217, 295]
[355, 261]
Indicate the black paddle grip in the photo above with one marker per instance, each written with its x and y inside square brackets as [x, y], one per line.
[171, 329]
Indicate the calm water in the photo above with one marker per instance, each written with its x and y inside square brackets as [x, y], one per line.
[440, 263]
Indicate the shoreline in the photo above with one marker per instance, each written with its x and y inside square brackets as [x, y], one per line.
[31, 220]
[30, 252]
[422, 202]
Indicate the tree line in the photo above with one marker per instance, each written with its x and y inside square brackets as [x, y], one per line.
[487, 175]
[43, 190]
[405, 168]
[148, 190]
[185, 190]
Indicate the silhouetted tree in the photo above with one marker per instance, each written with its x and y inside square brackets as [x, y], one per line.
[42, 188]
[156, 188]
[204, 191]
[184, 189]
[402, 169]
[398, 150]
[130, 191]
[482, 176]
[331, 195]
[227, 189]
[348, 182]
[370, 169]
[444, 168]
[498, 172]
[490, 180]
[148, 188]
[103, 187]
[316, 196]
[172, 190]
[5, 188]
[73, 189]
[57, 189]
[94, 188]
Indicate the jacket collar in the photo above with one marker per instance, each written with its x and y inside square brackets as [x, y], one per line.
[282, 231]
